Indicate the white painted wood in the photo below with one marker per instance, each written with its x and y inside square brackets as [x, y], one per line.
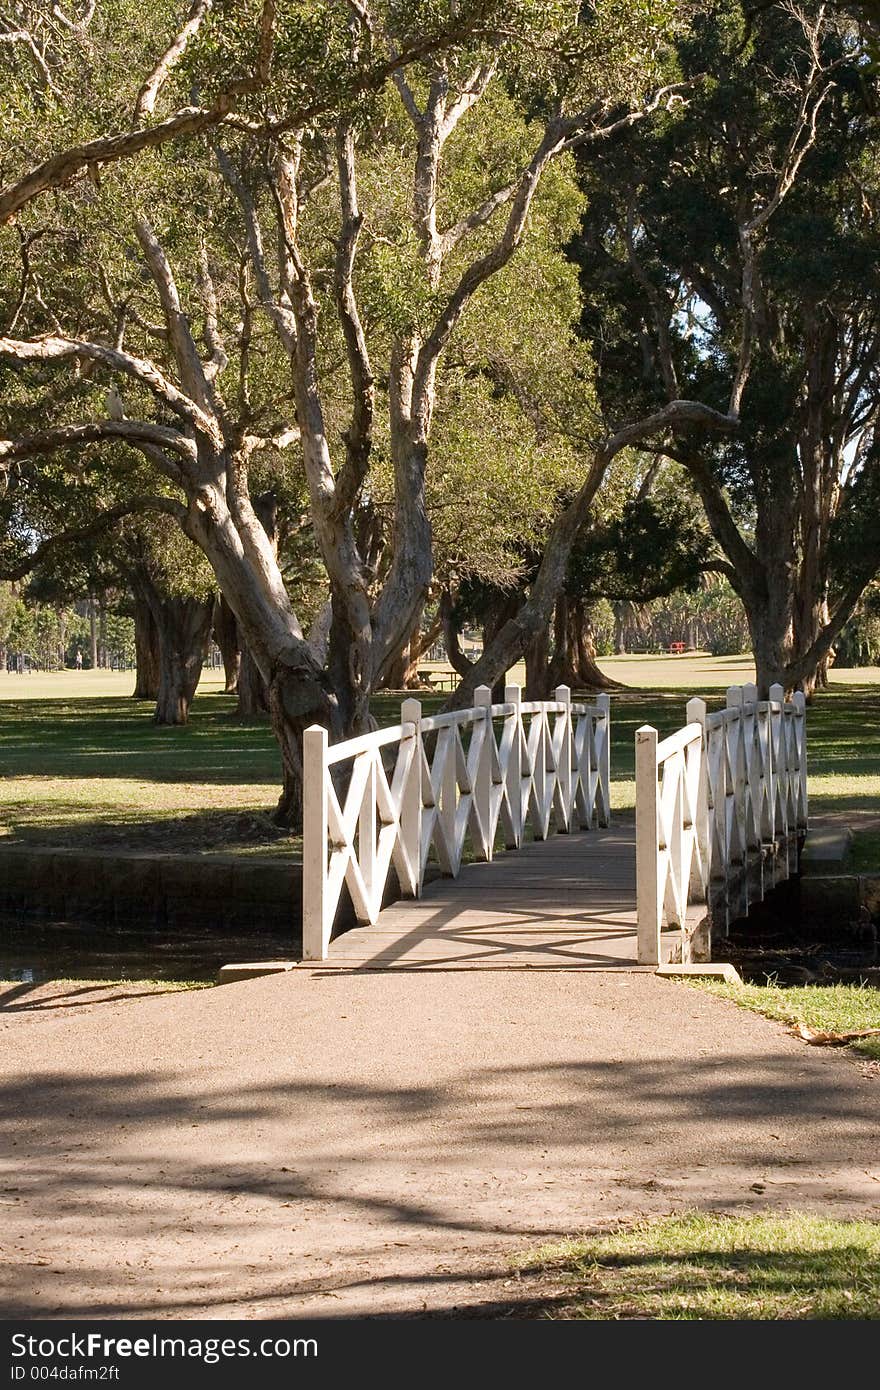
[483, 736]
[448, 783]
[648, 889]
[316, 931]
[602, 738]
[564, 759]
[411, 805]
[695, 713]
[731, 805]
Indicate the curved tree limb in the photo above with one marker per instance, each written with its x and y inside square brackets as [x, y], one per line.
[96, 527]
[135, 432]
[153, 84]
[57, 348]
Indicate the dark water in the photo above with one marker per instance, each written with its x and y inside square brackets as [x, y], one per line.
[37, 950]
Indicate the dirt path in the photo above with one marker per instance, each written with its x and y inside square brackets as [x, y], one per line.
[325, 1145]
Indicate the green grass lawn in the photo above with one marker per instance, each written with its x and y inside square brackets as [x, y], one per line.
[840, 1008]
[81, 762]
[711, 1266]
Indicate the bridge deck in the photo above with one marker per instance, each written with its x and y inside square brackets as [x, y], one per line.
[568, 902]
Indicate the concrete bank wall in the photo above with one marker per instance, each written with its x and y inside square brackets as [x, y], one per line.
[151, 889]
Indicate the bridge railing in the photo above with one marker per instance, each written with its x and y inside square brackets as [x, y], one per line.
[721, 807]
[436, 784]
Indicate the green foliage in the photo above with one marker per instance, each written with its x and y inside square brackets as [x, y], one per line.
[654, 545]
[859, 642]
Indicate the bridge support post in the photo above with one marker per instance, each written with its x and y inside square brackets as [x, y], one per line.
[315, 926]
[411, 802]
[562, 695]
[800, 724]
[513, 696]
[648, 904]
[700, 865]
[603, 760]
[483, 772]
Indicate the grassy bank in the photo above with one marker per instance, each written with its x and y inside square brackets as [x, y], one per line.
[710, 1266]
[837, 1008]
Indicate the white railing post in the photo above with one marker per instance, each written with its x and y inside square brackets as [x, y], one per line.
[367, 828]
[562, 695]
[800, 724]
[482, 789]
[648, 904]
[734, 733]
[315, 926]
[776, 740]
[411, 801]
[701, 861]
[603, 760]
[513, 696]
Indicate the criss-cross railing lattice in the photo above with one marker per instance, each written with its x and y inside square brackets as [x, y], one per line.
[440, 786]
[721, 807]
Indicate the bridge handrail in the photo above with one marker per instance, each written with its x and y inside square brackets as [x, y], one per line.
[720, 807]
[547, 767]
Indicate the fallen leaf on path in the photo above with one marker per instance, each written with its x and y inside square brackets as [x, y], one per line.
[816, 1038]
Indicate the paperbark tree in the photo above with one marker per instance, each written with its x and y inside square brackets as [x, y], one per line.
[202, 438]
[226, 637]
[738, 252]
[147, 655]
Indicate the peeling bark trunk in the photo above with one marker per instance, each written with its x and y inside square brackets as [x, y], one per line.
[574, 658]
[146, 644]
[537, 659]
[296, 700]
[226, 637]
[460, 664]
[184, 629]
[253, 690]
[253, 694]
[401, 670]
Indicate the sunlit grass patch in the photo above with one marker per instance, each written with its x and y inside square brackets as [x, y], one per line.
[840, 1008]
[713, 1266]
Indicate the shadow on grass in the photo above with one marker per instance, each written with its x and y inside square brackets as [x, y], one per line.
[116, 737]
[111, 826]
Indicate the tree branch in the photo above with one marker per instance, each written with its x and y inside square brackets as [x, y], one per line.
[189, 363]
[153, 84]
[103, 522]
[477, 218]
[359, 434]
[141, 434]
[54, 348]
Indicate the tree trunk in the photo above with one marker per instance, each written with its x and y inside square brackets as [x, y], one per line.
[451, 628]
[253, 695]
[620, 611]
[537, 659]
[298, 699]
[184, 628]
[253, 692]
[226, 637]
[574, 657]
[102, 635]
[146, 645]
[93, 633]
[400, 671]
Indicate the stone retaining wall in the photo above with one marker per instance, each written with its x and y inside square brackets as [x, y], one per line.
[151, 889]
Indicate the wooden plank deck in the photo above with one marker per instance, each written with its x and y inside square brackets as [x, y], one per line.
[566, 903]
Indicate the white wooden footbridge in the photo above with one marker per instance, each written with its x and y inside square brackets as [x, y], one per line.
[494, 825]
